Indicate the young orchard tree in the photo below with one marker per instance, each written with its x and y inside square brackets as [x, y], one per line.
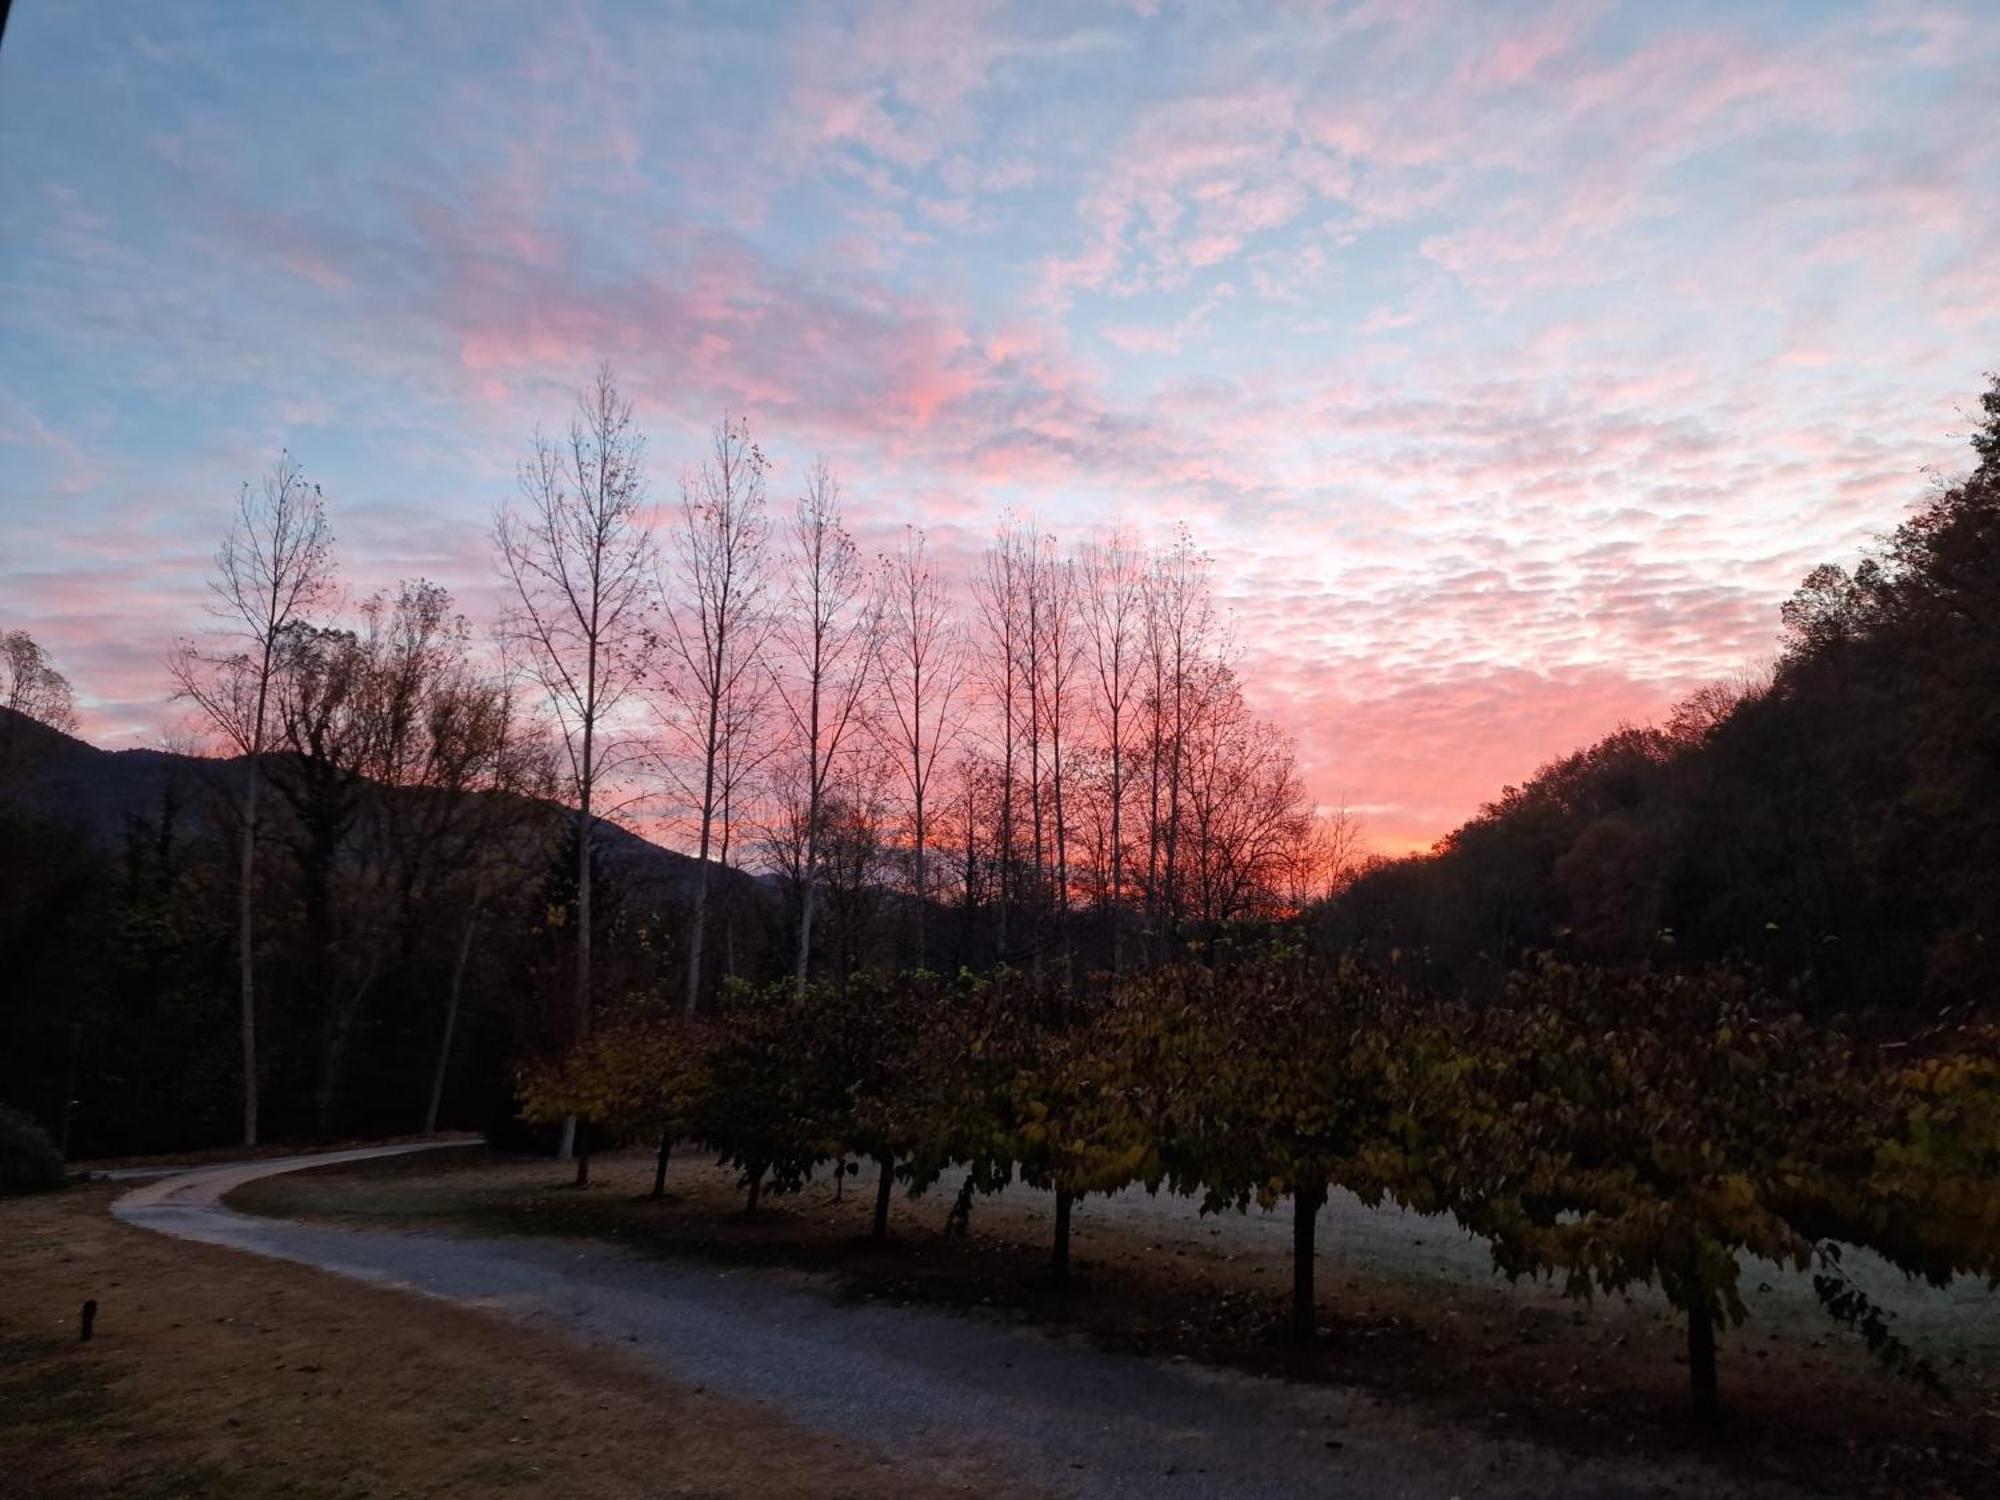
[923, 675]
[272, 570]
[1663, 1128]
[715, 631]
[1275, 1075]
[827, 640]
[579, 559]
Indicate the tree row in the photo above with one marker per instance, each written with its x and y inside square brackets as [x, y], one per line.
[1602, 1128]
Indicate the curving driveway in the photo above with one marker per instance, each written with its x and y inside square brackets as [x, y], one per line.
[955, 1397]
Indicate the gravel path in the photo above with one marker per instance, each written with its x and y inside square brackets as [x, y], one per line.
[1391, 1242]
[952, 1396]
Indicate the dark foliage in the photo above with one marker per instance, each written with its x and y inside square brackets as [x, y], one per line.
[1833, 829]
[29, 1160]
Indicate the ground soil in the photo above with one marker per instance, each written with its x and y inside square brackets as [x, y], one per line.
[215, 1373]
[1608, 1378]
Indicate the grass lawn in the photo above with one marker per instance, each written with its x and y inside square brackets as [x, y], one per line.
[218, 1374]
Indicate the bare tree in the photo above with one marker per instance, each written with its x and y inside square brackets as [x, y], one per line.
[716, 625]
[1029, 641]
[923, 674]
[580, 560]
[1180, 635]
[31, 687]
[1244, 813]
[1114, 616]
[828, 639]
[275, 566]
[1324, 860]
[851, 855]
[1057, 658]
[998, 588]
[448, 790]
[744, 748]
[323, 699]
[487, 774]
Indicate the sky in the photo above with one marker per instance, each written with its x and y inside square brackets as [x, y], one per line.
[1513, 362]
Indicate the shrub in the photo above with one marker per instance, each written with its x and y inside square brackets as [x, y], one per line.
[29, 1160]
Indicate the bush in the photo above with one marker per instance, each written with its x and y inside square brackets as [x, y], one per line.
[29, 1160]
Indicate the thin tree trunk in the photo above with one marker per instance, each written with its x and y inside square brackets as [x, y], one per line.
[1306, 1204]
[923, 895]
[1701, 1346]
[566, 1148]
[1059, 1261]
[660, 1164]
[69, 1086]
[728, 895]
[450, 1021]
[697, 926]
[339, 1029]
[1117, 842]
[756, 1192]
[246, 948]
[805, 933]
[698, 931]
[882, 1187]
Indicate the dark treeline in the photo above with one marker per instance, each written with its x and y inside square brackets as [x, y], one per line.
[1834, 828]
[118, 880]
[401, 871]
[406, 860]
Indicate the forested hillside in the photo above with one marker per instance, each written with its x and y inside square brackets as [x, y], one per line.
[116, 896]
[1834, 826]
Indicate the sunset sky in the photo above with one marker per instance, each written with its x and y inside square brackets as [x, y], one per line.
[1512, 361]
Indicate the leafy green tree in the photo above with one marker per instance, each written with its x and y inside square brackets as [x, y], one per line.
[773, 1108]
[1625, 1128]
[1264, 1080]
[1078, 1126]
[645, 1076]
[1931, 1202]
[879, 1029]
